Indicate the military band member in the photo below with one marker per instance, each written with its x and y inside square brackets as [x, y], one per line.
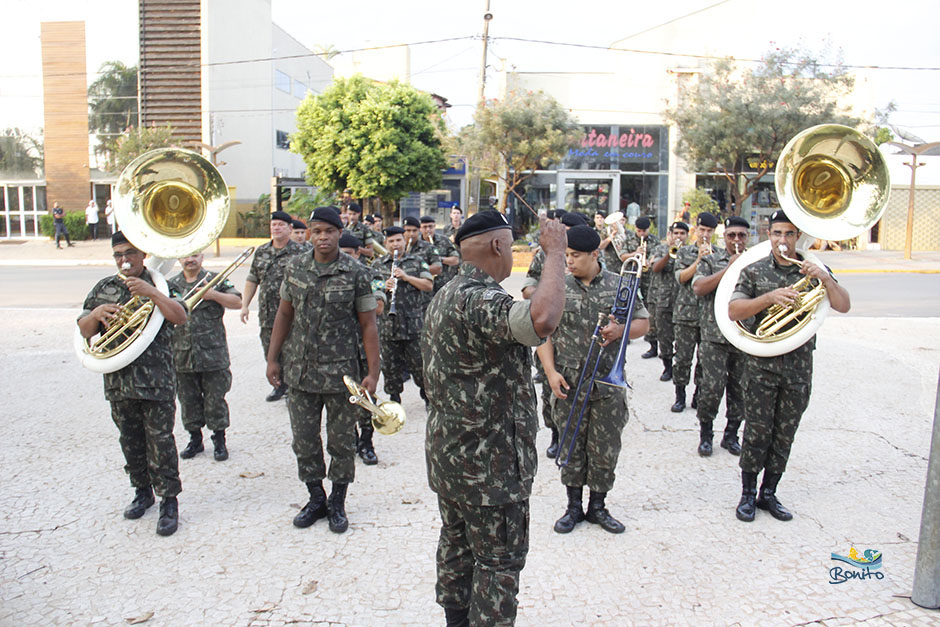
[481, 427]
[266, 273]
[142, 393]
[357, 227]
[643, 234]
[417, 246]
[722, 363]
[299, 233]
[664, 287]
[443, 248]
[405, 280]
[456, 219]
[326, 309]
[589, 289]
[200, 354]
[778, 388]
[686, 310]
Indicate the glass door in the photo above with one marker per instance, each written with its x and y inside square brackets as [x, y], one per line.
[588, 192]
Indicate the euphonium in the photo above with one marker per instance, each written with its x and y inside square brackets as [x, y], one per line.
[388, 417]
[615, 231]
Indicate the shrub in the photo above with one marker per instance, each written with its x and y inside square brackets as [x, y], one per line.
[74, 224]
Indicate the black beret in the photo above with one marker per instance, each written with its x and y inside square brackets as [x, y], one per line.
[376, 216]
[603, 214]
[779, 216]
[410, 221]
[394, 230]
[327, 214]
[118, 238]
[428, 219]
[555, 214]
[682, 226]
[354, 207]
[283, 216]
[642, 222]
[481, 222]
[348, 240]
[299, 224]
[707, 219]
[573, 218]
[736, 221]
[368, 219]
[584, 238]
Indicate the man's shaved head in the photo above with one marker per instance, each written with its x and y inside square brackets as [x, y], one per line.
[490, 251]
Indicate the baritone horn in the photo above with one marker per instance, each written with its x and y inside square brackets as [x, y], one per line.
[832, 182]
[388, 417]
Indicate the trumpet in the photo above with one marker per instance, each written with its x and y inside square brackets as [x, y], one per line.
[388, 417]
[673, 251]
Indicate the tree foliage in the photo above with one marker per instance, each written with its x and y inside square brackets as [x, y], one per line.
[112, 103]
[513, 137]
[377, 139]
[21, 154]
[137, 142]
[731, 116]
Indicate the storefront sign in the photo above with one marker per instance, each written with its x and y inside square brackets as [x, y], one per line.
[617, 144]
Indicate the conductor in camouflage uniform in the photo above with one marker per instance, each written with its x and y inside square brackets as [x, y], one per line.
[200, 353]
[480, 440]
[142, 393]
[778, 388]
[686, 310]
[664, 288]
[404, 279]
[327, 308]
[265, 276]
[646, 282]
[589, 289]
[722, 363]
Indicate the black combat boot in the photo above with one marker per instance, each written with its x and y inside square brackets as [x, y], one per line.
[597, 513]
[169, 516]
[552, 449]
[141, 503]
[652, 352]
[730, 439]
[336, 506]
[315, 509]
[768, 498]
[194, 446]
[667, 370]
[694, 403]
[395, 397]
[705, 439]
[218, 446]
[457, 616]
[746, 506]
[277, 393]
[365, 448]
[679, 406]
[575, 512]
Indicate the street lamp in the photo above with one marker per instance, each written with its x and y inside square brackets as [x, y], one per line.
[914, 151]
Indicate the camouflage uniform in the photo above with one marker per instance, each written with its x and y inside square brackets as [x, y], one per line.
[597, 447]
[778, 388]
[143, 400]
[646, 289]
[685, 316]
[320, 348]
[480, 442]
[428, 254]
[267, 271]
[722, 363]
[664, 288]
[449, 232]
[533, 274]
[363, 232]
[443, 247]
[399, 333]
[200, 353]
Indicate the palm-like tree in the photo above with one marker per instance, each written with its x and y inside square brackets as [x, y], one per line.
[112, 103]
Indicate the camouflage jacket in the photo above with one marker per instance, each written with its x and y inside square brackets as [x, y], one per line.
[766, 275]
[267, 270]
[709, 265]
[572, 338]
[627, 243]
[480, 436]
[363, 232]
[409, 300]
[200, 344]
[323, 342]
[443, 247]
[151, 376]
[686, 308]
[534, 273]
[663, 284]
[449, 231]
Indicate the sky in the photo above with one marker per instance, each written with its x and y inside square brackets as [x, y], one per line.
[896, 34]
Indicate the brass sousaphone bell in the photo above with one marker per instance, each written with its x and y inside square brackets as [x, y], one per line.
[388, 417]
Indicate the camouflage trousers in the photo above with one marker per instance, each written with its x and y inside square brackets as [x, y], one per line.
[548, 402]
[306, 409]
[597, 448]
[664, 332]
[202, 399]
[266, 344]
[687, 337]
[651, 307]
[148, 445]
[774, 404]
[480, 553]
[400, 356]
[722, 373]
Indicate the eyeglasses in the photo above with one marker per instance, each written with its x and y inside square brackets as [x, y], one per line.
[736, 235]
[126, 253]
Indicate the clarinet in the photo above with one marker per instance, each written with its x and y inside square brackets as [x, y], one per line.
[391, 307]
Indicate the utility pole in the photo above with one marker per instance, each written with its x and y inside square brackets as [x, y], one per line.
[915, 152]
[487, 16]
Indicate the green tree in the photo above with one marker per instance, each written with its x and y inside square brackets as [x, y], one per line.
[137, 142]
[21, 154]
[112, 104]
[736, 121]
[511, 138]
[381, 140]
